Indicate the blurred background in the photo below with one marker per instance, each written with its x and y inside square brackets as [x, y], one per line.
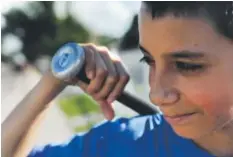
[31, 32]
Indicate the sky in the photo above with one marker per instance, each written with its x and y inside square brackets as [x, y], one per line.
[113, 19]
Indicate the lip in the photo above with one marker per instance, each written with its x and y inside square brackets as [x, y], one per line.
[180, 119]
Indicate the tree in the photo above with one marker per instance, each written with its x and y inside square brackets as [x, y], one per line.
[42, 33]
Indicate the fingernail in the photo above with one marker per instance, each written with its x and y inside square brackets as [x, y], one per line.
[90, 75]
[110, 100]
[109, 116]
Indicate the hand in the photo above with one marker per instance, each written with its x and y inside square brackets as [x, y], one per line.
[107, 74]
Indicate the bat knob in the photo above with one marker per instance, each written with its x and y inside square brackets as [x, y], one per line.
[68, 61]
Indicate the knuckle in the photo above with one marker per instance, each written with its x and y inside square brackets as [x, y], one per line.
[103, 48]
[113, 79]
[96, 97]
[102, 72]
[115, 96]
[89, 53]
[90, 67]
[125, 78]
[91, 45]
[103, 53]
[98, 101]
[91, 91]
[99, 97]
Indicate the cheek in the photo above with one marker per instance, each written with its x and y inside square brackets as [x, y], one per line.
[212, 102]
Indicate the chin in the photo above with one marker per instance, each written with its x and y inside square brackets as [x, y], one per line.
[190, 132]
[186, 134]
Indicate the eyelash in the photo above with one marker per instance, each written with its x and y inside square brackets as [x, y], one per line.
[188, 67]
[180, 66]
[147, 60]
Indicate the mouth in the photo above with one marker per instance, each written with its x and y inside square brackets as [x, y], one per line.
[180, 119]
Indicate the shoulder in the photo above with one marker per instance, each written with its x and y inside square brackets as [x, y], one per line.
[136, 126]
[107, 135]
[121, 124]
[128, 134]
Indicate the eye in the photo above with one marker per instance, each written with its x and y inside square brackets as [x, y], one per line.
[147, 60]
[188, 67]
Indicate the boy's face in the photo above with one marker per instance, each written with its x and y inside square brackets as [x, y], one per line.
[191, 73]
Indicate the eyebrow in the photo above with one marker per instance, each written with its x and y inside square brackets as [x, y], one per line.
[144, 50]
[184, 54]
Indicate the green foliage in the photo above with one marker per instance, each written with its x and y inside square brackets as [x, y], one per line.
[30, 28]
[84, 128]
[78, 105]
[81, 128]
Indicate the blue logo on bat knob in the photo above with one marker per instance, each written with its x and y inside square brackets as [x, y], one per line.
[68, 61]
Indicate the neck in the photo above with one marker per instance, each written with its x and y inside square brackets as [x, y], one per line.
[219, 143]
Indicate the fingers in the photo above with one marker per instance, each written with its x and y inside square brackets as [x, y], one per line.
[100, 75]
[112, 77]
[90, 68]
[122, 81]
[107, 75]
[106, 109]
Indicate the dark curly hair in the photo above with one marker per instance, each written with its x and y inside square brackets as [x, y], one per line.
[219, 14]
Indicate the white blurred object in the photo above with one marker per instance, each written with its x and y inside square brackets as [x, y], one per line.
[11, 44]
[111, 18]
[133, 6]
[3, 22]
[6, 6]
[60, 9]
[43, 63]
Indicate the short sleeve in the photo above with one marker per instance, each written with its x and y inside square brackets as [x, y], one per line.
[119, 137]
[73, 146]
[80, 145]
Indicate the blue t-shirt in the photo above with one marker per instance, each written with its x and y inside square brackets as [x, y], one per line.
[147, 136]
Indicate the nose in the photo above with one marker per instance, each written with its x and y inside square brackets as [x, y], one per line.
[164, 97]
[162, 91]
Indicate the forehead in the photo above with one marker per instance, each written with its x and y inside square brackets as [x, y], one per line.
[172, 34]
